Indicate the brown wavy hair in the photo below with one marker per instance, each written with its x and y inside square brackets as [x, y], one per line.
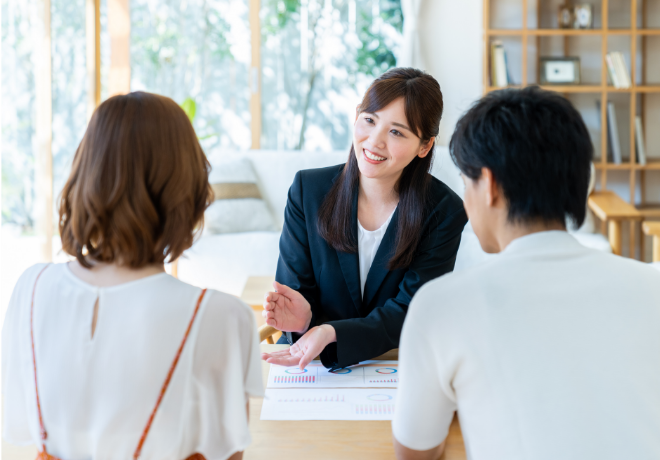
[138, 187]
[423, 107]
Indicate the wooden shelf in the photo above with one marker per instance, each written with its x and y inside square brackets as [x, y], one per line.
[638, 55]
[627, 166]
[569, 32]
[647, 89]
[587, 88]
[574, 88]
[650, 211]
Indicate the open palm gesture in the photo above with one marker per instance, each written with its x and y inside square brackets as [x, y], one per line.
[287, 310]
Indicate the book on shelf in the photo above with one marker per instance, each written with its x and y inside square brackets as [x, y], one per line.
[613, 129]
[639, 141]
[611, 71]
[499, 75]
[616, 67]
[609, 134]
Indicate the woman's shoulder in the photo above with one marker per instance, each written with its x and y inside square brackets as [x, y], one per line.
[226, 313]
[29, 277]
[318, 178]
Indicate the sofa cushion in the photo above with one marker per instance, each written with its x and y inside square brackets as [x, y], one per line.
[238, 205]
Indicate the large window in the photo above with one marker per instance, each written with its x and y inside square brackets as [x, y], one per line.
[269, 74]
[18, 95]
[20, 23]
[199, 51]
[318, 57]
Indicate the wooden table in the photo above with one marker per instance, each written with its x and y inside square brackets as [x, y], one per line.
[331, 440]
[653, 229]
[610, 208]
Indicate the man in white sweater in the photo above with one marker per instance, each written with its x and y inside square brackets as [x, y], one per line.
[549, 350]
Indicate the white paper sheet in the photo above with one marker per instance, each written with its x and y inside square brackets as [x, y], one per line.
[370, 374]
[328, 404]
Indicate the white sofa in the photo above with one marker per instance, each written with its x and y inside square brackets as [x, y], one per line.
[225, 262]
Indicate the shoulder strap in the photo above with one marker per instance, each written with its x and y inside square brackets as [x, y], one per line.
[169, 377]
[42, 430]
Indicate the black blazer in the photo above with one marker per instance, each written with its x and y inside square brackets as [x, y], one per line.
[330, 279]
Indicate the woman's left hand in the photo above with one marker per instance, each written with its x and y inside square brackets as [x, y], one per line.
[308, 347]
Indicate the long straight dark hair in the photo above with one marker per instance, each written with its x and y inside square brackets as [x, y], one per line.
[423, 108]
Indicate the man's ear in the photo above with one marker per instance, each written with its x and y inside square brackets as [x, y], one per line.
[426, 148]
[492, 189]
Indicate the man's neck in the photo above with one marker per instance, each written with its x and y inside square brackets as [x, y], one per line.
[509, 232]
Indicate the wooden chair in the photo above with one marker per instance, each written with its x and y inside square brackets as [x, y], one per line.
[266, 333]
[613, 210]
[653, 229]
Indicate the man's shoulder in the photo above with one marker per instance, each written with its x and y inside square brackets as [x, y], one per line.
[456, 292]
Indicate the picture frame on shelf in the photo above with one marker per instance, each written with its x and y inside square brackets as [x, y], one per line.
[583, 16]
[560, 70]
[565, 17]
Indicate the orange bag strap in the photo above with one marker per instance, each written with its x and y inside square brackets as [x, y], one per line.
[169, 377]
[42, 431]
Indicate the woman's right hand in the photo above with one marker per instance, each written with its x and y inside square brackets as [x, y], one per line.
[287, 310]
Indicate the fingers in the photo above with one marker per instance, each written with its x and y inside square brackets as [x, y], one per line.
[310, 353]
[286, 291]
[278, 353]
[285, 361]
[270, 300]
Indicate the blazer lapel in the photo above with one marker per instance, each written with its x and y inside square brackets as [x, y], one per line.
[350, 263]
[379, 269]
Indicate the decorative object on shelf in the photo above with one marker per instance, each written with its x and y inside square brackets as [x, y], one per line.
[617, 70]
[639, 141]
[499, 73]
[613, 129]
[583, 17]
[565, 17]
[560, 71]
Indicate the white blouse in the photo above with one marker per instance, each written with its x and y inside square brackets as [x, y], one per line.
[368, 244]
[97, 393]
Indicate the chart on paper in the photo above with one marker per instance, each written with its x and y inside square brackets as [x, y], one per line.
[329, 404]
[371, 374]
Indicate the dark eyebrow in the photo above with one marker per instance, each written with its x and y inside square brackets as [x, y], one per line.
[395, 124]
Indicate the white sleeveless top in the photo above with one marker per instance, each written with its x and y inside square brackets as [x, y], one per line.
[97, 393]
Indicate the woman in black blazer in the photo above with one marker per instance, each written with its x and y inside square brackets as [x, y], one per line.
[335, 216]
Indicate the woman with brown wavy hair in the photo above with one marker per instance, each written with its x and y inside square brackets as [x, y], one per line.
[107, 356]
[360, 238]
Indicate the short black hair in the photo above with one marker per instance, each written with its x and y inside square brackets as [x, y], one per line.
[538, 148]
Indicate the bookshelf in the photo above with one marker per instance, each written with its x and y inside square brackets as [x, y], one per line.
[632, 22]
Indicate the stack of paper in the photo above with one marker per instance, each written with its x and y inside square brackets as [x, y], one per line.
[363, 392]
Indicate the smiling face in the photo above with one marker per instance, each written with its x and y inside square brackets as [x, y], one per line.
[385, 144]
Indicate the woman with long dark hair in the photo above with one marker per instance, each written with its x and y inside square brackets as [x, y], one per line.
[359, 239]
